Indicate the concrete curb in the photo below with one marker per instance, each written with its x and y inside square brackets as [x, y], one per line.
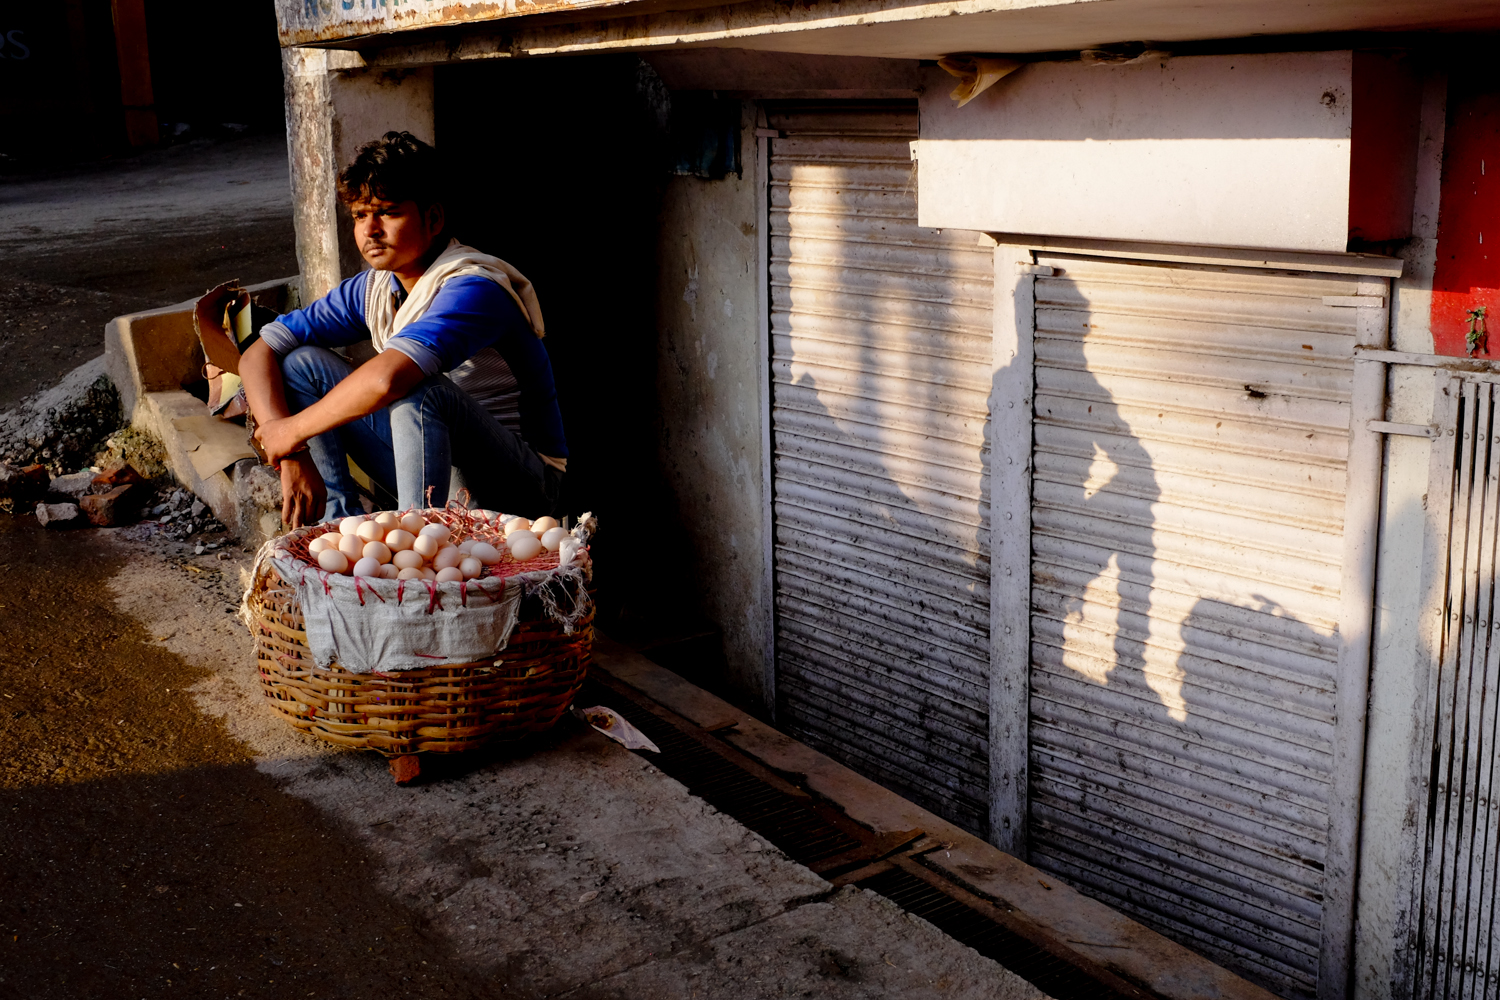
[150, 356]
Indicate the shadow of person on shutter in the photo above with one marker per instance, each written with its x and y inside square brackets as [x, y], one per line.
[872, 655]
[1242, 783]
[1178, 701]
[1094, 488]
[881, 337]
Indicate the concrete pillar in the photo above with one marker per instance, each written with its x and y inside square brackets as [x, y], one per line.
[134, 58]
[333, 105]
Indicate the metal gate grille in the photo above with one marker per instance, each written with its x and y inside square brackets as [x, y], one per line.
[1455, 951]
[1191, 429]
[880, 376]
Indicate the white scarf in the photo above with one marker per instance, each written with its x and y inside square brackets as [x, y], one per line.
[385, 322]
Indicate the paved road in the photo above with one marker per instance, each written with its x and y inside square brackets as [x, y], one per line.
[82, 246]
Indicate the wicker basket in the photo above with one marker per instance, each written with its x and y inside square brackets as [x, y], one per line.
[447, 709]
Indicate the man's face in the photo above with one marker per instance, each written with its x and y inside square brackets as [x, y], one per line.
[392, 235]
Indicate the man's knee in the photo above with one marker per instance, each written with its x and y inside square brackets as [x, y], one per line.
[314, 369]
[305, 357]
[433, 396]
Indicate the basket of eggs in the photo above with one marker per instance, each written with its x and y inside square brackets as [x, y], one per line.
[423, 631]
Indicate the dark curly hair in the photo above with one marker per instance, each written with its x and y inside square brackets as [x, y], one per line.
[396, 167]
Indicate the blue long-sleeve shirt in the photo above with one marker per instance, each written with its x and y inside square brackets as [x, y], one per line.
[468, 315]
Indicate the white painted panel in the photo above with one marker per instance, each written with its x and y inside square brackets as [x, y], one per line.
[1247, 150]
[880, 369]
[1191, 433]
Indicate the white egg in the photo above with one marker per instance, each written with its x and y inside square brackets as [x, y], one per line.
[389, 520]
[407, 559]
[486, 553]
[471, 568]
[523, 545]
[466, 547]
[553, 538]
[379, 551]
[516, 524]
[350, 525]
[438, 531]
[426, 546]
[389, 571]
[333, 561]
[447, 557]
[542, 525]
[409, 574]
[400, 539]
[351, 546]
[318, 544]
[367, 567]
[449, 574]
[413, 522]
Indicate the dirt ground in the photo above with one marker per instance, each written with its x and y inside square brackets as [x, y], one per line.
[84, 245]
[143, 852]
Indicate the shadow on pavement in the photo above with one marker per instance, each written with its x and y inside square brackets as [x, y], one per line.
[141, 852]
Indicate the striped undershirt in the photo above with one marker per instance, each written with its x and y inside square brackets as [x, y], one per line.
[485, 376]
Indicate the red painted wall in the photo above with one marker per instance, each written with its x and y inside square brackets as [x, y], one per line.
[1468, 249]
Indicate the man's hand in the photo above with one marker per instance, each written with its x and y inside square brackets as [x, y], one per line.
[278, 439]
[303, 495]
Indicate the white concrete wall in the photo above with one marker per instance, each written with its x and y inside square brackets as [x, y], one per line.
[1249, 150]
[708, 379]
[333, 105]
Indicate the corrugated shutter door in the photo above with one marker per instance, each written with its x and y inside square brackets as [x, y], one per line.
[1453, 948]
[1191, 429]
[880, 377]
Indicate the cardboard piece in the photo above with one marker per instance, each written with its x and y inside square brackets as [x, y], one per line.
[213, 445]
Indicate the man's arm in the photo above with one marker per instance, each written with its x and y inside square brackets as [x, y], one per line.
[372, 386]
[260, 369]
[334, 320]
[303, 494]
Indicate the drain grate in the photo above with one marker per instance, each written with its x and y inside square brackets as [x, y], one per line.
[1052, 975]
[795, 825]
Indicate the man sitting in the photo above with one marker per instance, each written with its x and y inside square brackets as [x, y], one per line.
[461, 390]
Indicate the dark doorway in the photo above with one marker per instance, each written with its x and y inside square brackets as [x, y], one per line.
[559, 166]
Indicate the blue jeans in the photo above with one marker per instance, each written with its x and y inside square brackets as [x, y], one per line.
[435, 438]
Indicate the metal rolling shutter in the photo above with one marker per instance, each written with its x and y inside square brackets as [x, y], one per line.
[1191, 429]
[1453, 935]
[880, 376]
